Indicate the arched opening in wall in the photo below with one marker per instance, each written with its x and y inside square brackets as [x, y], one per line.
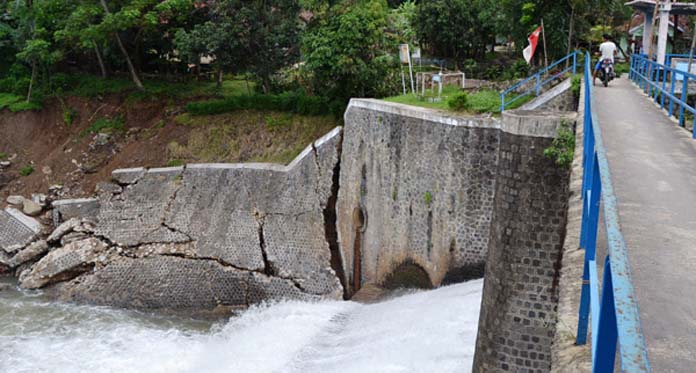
[359, 224]
[464, 273]
[408, 275]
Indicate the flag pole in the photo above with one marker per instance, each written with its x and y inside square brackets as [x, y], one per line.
[543, 36]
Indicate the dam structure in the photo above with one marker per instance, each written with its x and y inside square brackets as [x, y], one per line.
[398, 196]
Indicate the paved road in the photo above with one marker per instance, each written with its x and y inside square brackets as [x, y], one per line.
[653, 165]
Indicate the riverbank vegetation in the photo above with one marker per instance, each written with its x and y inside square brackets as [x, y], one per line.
[319, 52]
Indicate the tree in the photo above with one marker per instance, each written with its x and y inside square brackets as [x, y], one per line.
[348, 51]
[252, 36]
[455, 29]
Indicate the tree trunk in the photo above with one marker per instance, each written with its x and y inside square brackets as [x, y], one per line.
[134, 74]
[31, 82]
[100, 60]
[570, 33]
[219, 77]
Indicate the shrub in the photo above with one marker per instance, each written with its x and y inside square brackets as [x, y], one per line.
[24, 106]
[105, 125]
[562, 148]
[459, 102]
[69, 115]
[7, 99]
[292, 102]
[575, 84]
[26, 170]
[428, 198]
[3, 156]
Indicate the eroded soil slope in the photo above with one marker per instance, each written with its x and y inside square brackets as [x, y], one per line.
[150, 134]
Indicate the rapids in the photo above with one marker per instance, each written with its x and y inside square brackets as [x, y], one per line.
[416, 331]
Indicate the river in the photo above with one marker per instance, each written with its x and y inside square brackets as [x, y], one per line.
[417, 331]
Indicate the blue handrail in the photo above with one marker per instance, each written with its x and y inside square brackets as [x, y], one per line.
[614, 312]
[660, 83]
[540, 82]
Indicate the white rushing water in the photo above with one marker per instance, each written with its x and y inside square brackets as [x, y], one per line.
[427, 331]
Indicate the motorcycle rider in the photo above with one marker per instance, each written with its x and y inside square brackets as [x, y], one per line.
[608, 50]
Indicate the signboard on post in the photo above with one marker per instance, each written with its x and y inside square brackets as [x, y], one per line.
[405, 57]
[404, 54]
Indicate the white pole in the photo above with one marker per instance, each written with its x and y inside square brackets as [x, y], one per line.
[691, 51]
[403, 79]
[410, 71]
[663, 32]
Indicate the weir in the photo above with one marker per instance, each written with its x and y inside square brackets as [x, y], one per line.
[400, 196]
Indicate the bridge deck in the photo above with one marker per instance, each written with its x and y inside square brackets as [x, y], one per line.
[653, 165]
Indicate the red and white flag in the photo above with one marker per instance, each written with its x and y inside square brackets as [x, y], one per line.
[531, 48]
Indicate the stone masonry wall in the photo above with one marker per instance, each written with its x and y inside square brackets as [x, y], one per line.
[416, 186]
[202, 237]
[518, 312]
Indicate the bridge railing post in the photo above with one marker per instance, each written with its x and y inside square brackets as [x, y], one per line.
[685, 89]
[604, 342]
[671, 92]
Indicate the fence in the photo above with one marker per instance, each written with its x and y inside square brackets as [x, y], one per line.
[661, 82]
[614, 312]
[539, 79]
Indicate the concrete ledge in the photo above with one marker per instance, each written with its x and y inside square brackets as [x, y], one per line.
[131, 175]
[27, 221]
[543, 126]
[534, 123]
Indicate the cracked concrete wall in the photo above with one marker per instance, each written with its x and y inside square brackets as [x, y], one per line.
[206, 237]
[520, 294]
[449, 194]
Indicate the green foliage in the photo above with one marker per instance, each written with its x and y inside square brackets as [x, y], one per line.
[3, 156]
[563, 147]
[175, 163]
[576, 84]
[105, 125]
[26, 170]
[456, 29]
[287, 102]
[69, 115]
[255, 36]
[25, 106]
[349, 53]
[7, 99]
[622, 68]
[273, 122]
[428, 198]
[460, 102]
[485, 101]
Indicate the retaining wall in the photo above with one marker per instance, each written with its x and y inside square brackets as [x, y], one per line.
[520, 296]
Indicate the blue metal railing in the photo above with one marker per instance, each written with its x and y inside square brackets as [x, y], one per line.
[660, 83]
[540, 80]
[614, 312]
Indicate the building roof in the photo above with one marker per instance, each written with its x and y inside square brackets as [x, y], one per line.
[649, 6]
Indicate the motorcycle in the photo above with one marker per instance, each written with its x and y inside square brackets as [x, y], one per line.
[607, 72]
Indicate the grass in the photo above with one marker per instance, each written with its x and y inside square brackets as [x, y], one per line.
[105, 125]
[175, 163]
[17, 103]
[248, 136]
[484, 101]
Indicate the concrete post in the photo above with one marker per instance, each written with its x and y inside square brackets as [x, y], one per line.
[647, 31]
[663, 32]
